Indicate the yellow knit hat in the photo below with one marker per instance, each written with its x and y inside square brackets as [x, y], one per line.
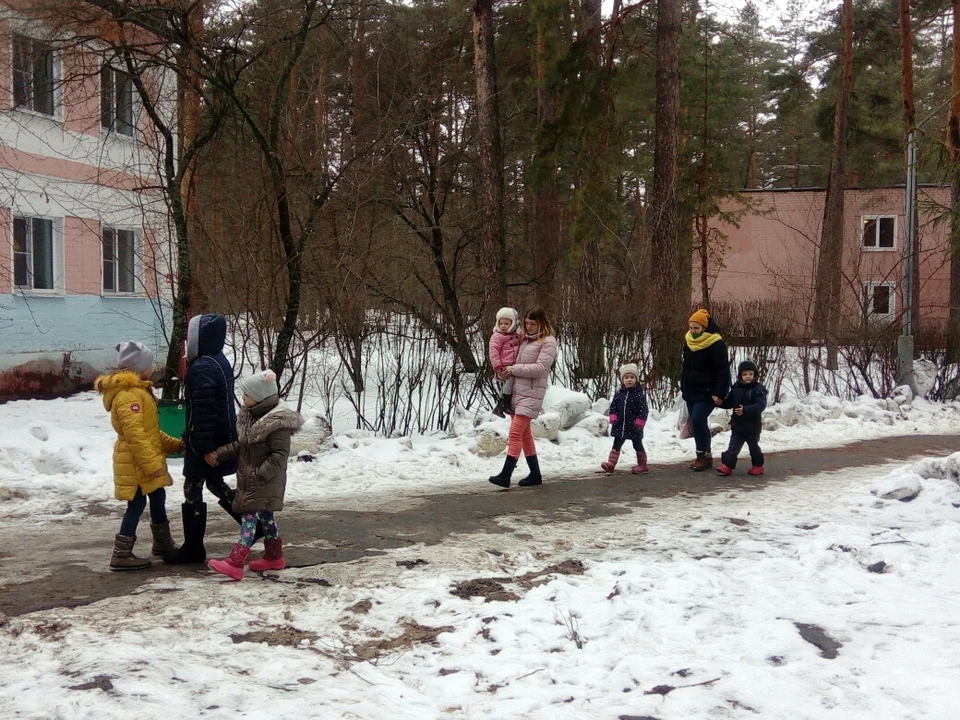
[701, 317]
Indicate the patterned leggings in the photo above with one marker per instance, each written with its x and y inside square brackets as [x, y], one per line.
[248, 526]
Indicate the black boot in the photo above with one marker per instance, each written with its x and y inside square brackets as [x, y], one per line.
[194, 528]
[227, 504]
[534, 478]
[498, 408]
[503, 479]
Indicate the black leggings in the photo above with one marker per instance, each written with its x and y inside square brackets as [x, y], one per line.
[637, 444]
[193, 489]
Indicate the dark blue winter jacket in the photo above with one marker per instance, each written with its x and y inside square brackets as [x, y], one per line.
[753, 397]
[208, 395]
[628, 405]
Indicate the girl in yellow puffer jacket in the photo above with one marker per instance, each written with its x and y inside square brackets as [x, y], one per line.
[139, 455]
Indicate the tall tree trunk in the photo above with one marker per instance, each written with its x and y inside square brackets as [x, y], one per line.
[827, 299]
[549, 16]
[592, 206]
[665, 234]
[953, 143]
[183, 197]
[489, 157]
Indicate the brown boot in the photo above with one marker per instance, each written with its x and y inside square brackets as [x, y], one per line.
[162, 540]
[703, 462]
[123, 557]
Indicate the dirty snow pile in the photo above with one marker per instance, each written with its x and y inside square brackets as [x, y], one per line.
[816, 598]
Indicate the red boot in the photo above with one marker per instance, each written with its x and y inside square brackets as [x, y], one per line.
[232, 565]
[755, 470]
[611, 464]
[272, 556]
[724, 470]
[641, 467]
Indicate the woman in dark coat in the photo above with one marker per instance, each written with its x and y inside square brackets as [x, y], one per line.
[704, 381]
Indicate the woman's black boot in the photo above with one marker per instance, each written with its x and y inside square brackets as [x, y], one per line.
[534, 478]
[503, 479]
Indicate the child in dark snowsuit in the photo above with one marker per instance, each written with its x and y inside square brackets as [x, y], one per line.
[747, 399]
[628, 415]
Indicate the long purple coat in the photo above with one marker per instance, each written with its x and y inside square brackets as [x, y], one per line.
[534, 360]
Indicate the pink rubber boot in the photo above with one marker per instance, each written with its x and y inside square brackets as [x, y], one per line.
[641, 467]
[611, 464]
[755, 470]
[232, 565]
[272, 556]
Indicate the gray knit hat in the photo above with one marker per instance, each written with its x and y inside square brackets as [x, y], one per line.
[134, 356]
[630, 369]
[260, 386]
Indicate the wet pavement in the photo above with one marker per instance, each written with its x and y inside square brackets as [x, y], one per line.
[66, 564]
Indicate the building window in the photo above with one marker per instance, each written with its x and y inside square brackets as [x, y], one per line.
[33, 254]
[116, 101]
[119, 261]
[881, 300]
[34, 75]
[879, 232]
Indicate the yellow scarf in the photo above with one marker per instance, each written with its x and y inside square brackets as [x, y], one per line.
[702, 342]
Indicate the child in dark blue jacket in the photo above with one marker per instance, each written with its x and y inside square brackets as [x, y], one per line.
[747, 398]
[628, 415]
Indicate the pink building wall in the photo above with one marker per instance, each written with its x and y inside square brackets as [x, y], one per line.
[82, 256]
[81, 91]
[770, 253]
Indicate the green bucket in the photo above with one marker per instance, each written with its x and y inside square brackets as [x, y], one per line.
[173, 418]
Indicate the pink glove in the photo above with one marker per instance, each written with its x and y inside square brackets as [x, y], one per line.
[639, 423]
[613, 419]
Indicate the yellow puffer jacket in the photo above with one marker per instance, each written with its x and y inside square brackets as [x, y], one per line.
[141, 448]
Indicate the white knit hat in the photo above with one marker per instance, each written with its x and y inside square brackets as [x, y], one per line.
[260, 386]
[134, 356]
[630, 369]
[508, 313]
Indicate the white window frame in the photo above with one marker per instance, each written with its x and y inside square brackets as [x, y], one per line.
[878, 218]
[57, 76]
[134, 104]
[138, 282]
[59, 287]
[869, 288]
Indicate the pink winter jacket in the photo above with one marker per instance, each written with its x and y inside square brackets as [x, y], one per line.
[534, 360]
[502, 349]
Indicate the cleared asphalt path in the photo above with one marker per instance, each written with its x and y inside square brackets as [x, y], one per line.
[64, 566]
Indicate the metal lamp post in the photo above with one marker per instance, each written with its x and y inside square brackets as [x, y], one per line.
[905, 340]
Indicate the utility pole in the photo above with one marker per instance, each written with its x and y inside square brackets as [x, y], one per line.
[905, 341]
[909, 294]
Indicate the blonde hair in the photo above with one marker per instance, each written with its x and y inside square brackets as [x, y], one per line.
[539, 315]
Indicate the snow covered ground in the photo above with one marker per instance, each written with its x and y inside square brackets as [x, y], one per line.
[692, 607]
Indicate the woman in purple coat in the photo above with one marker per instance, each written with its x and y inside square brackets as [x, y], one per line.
[538, 350]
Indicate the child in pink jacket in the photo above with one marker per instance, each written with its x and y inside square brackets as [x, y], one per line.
[502, 352]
